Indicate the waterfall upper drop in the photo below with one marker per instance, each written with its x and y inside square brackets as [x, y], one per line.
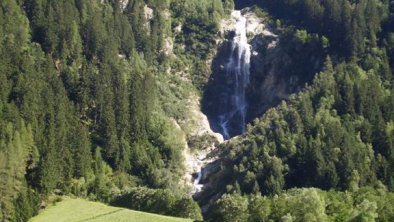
[229, 113]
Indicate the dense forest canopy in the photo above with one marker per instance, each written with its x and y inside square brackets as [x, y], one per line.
[89, 96]
[80, 110]
[336, 133]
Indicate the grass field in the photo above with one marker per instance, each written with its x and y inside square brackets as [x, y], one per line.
[78, 210]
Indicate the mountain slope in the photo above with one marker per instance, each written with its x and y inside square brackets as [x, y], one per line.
[103, 99]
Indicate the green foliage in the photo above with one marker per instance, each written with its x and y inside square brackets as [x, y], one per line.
[350, 26]
[76, 75]
[159, 201]
[231, 208]
[26, 205]
[199, 24]
[102, 182]
[17, 151]
[331, 135]
[306, 204]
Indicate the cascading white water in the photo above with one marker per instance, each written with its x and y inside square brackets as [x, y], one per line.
[196, 184]
[238, 67]
[232, 118]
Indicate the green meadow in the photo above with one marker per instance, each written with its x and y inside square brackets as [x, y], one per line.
[78, 210]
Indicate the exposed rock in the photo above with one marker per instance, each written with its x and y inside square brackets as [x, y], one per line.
[123, 4]
[240, 4]
[269, 81]
[202, 125]
[196, 158]
[255, 25]
[227, 25]
[178, 28]
[148, 12]
[273, 86]
[195, 163]
[225, 99]
[229, 117]
[168, 46]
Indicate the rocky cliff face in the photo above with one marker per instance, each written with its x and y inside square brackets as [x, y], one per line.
[253, 70]
[123, 4]
[270, 76]
[232, 80]
[270, 83]
[240, 4]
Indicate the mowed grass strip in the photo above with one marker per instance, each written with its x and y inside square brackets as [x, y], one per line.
[78, 210]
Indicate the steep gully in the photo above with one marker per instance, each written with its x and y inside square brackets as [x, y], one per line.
[251, 72]
[230, 119]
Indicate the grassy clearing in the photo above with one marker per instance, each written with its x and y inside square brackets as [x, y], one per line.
[78, 210]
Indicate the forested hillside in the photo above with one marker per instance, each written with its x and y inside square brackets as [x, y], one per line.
[80, 108]
[336, 134]
[96, 97]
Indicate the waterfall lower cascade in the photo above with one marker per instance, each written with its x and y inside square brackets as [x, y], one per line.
[237, 68]
[197, 186]
[200, 167]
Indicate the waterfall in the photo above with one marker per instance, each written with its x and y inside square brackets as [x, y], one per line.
[237, 68]
[229, 97]
[196, 183]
